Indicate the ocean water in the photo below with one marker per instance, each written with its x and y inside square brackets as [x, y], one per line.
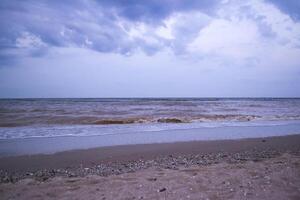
[29, 118]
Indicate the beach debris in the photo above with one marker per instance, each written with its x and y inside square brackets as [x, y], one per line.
[29, 174]
[152, 179]
[162, 189]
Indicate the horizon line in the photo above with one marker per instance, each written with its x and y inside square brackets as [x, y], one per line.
[277, 97]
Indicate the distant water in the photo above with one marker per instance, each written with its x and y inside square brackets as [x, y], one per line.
[24, 118]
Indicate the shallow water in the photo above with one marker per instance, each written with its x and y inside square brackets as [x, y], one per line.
[46, 145]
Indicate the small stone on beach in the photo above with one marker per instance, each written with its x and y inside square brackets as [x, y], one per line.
[162, 189]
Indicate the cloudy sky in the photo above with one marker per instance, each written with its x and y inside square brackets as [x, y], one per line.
[153, 48]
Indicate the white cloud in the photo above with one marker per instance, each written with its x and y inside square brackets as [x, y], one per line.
[28, 40]
[235, 39]
[237, 36]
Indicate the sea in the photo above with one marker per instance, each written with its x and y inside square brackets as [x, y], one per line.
[30, 118]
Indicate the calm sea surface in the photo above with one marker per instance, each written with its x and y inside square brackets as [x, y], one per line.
[25, 118]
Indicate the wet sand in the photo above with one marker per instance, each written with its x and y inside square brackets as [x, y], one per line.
[261, 168]
[50, 145]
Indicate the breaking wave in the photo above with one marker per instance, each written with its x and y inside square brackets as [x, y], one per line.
[16, 113]
[115, 121]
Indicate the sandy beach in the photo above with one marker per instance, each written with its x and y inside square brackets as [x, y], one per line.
[131, 99]
[261, 168]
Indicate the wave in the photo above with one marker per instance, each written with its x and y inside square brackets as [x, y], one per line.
[229, 117]
[114, 121]
[37, 120]
[141, 120]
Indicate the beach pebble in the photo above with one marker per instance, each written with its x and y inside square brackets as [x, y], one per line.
[173, 162]
[152, 179]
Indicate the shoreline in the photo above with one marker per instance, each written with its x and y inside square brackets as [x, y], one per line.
[106, 161]
[50, 145]
[260, 168]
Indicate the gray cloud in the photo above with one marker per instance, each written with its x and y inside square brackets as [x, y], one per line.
[96, 24]
[291, 7]
[84, 23]
[155, 10]
[88, 24]
[85, 48]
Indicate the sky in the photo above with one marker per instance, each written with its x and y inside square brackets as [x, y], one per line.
[153, 48]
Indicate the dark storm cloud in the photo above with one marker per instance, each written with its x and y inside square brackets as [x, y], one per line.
[28, 28]
[54, 23]
[155, 10]
[89, 24]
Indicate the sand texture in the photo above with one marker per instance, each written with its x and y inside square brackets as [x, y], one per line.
[274, 178]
